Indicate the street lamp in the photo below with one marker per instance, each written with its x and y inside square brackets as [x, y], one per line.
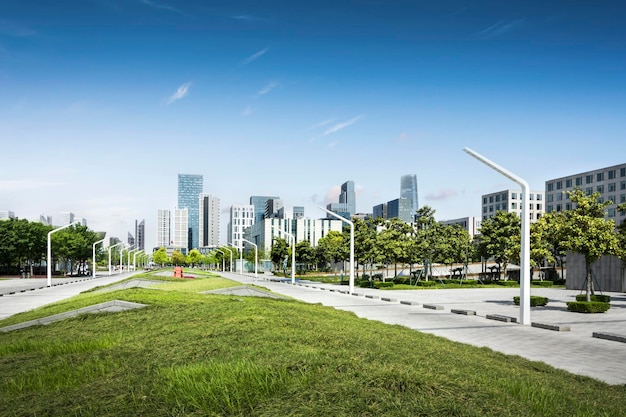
[343, 219]
[224, 254]
[128, 256]
[93, 274]
[293, 254]
[111, 247]
[524, 301]
[49, 254]
[231, 256]
[135, 259]
[256, 255]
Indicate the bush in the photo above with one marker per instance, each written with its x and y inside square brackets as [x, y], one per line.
[365, 284]
[535, 301]
[588, 307]
[401, 280]
[426, 283]
[601, 298]
[539, 283]
[508, 283]
[380, 284]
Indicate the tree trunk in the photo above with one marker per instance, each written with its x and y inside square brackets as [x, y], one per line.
[589, 281]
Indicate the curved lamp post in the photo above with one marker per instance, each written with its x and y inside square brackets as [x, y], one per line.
[256, 255]
[343, 219]
[49, 254]
[231, 257]
[224, 254]
[293, 253]
[135, 259]
[111, 247]
[93, 274]
[524, 301]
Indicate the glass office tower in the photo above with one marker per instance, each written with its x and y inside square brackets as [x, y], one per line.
[408, 190]
[189, 189]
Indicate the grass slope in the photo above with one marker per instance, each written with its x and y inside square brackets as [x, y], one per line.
[194, 355]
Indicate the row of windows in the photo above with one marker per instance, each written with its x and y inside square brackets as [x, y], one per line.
[514, 206]
[611, 211]
[504, 196]
[589, 190]
[531, 216]
[600, 176]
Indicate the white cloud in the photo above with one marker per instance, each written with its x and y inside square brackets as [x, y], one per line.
[180, 92]
[269, 87]
[254, 56]
[342, 125]
[501, 28]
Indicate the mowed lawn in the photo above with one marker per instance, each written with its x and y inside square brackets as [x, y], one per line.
[189, 354]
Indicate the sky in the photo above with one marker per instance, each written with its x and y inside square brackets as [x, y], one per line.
[104, 102]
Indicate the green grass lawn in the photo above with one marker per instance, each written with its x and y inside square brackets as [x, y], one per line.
[189, 354]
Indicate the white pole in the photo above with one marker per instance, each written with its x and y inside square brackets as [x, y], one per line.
[351, 281]
[135, 259]
[231, 256]
[49, 254]
[224, 254]
[111, 247]
[93, 274]
[525, 239]
[256, 256]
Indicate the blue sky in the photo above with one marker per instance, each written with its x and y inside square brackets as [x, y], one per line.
[104, 102]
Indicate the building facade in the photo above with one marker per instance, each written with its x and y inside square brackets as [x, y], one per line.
[241, 217]
[259, 203]
[471, 224]
[163, 228]
[263, 233]
[408, 190]
[189, 190]
[609, 182]
[209, 220]
[140, 234]
[180, 238]
[401, 208]
[511, 201]
[347, 202]
[6, 215]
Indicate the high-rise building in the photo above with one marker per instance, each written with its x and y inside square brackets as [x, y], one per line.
[163, 227]
[408, 190]
[181, 230]
[380, 211]
[209, 220]
[298, 212]
[347, 202]
[140, 234]
[259, 203]
[274, 208]
[130, 239]
[610, 182]
[511, 201]
[65, 218]
[241, 217]
[189, 190]
[6, 214]
[312, 230]
[400, 208]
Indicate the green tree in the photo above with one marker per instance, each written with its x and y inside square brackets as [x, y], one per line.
[365, 248]
[332, 247]
[395, 240]
[279, 252]
[500, 238]
[178, 258]
[73, 246]
[587, 231]
[305, 254]
[194, 258]
[427, 237]
[160, 257]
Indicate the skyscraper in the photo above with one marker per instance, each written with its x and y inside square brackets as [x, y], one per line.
[347, 201]
[209, 220]
[181, 230]
[408, 190]
[163, 234]
[241, 217]
[189, 189]
[140, 234]
[259, 203]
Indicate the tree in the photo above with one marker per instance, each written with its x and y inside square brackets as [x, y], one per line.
[194, 257]
[332, 247]
[74, 246]
[178, 258]
[587, 232]
[546, 240]
[305, 254]
[365, 248]
[395, 241]
[160, 257]
[279, 252]
[500, 238]
[427, 238]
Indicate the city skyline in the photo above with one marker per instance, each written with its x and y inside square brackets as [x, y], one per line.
[103, 103]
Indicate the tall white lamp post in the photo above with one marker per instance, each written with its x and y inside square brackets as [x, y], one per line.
[49, 254]
[231, 257]
[256, 256]
[135, 259]
[293, 254]
[524, 301]
[128, 256]
[343, 219]
[111, 247]
[93, 273]
[223, 253]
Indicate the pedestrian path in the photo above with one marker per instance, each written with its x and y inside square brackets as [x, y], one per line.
[430, 311]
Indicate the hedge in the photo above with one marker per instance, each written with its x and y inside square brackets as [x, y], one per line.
[386, 284]
[588, 307]
[540, 283]
[535, 300]
[601, 298]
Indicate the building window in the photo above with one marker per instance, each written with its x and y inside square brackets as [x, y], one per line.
[513, 206]
[588, 179]
[612, 174]
[490, 209]
[611, 187]
[559, 197]
[550, 196]
[485, 209]
[538, 197]
[513, 196]
[612, 198]
[549, 208]
[600, 189]
[539, 207]
[559, 185]
[498, 197]
[622, 172]
[589, 190]
[579, 181]
[622, 198]
[491, 199]
[568, 183]
[504, 197]
[568, 206]
[532, 196]
[484, 200]
[611, 212]
[600, 176]
[558, 207]
[622, 185]
[600, 200]
[549, 186]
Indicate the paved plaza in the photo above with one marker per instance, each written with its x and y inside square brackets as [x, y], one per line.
[428, 311]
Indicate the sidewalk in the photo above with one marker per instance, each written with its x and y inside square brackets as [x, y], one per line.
[19, 295]
[575, 350]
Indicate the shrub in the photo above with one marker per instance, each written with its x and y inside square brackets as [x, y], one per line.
[379, 284]
[508, 283]
[426, 283]
[540, 283]
[535, 300]
[365, 284]
[601, 298]
[401, 280]
[588, 307]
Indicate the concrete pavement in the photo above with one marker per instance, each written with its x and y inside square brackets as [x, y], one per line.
[430, 311]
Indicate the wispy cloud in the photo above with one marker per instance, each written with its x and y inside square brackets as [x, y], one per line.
[180, 92]
[269, 87]
[500, 28]
[442, 195]
[342, 125]
[321, 124]
[161, 6]
[254, 56]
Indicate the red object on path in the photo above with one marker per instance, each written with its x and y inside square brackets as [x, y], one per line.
[178, 272]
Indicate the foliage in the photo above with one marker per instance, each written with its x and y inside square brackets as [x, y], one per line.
[194, 257]
[588, 306]
[178, 258]
[160, 257]
[22, 243]
[305, 254]
[535, 301]
[594, 297]
[500, 238]
[280, 251]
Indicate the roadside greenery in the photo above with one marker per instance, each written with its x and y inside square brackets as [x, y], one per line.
[189, 354]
